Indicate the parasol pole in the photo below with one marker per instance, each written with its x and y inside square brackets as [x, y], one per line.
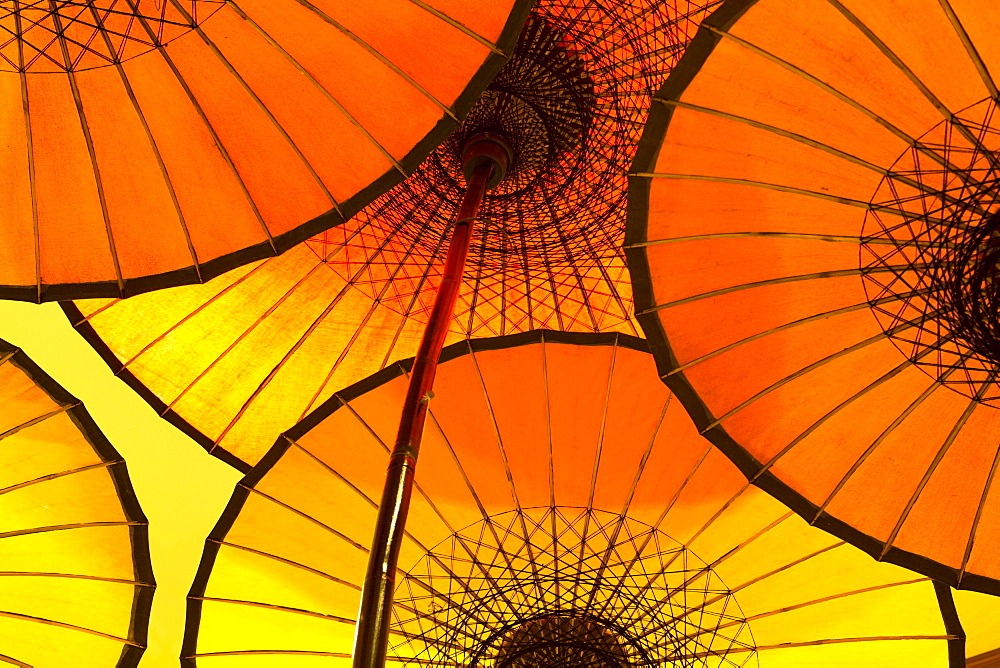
[485, 160]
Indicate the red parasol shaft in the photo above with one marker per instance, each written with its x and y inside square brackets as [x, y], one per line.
[487, 157]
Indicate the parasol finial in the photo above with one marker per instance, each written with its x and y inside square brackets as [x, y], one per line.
[487, 148]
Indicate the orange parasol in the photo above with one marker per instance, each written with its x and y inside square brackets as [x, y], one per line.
[813, 226]
[238, 360]
[567, 514]
[550, 140]
[151, 143]
[75, 576]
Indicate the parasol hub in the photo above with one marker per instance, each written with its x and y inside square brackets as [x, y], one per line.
[570, 103]
[576, 607]
[565, 640]
[934, 281]
[487, 148]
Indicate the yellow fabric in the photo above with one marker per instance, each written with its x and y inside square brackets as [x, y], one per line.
[980, 620]
[287, 576]
[71, 585]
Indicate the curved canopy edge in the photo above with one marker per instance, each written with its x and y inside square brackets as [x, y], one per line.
[708, 425]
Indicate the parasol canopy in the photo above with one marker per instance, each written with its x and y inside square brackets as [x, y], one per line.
[813, 241]
[981, 624]
[567, 514]
[237, 361]
[152, 143]
[76, 582]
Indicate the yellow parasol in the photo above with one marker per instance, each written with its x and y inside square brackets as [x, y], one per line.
[75, 578]
[566, 513]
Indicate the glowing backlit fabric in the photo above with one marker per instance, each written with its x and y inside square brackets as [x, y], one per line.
[149, 143]
[237, 361]
[814, 247]
[76, 582]
[568, 513]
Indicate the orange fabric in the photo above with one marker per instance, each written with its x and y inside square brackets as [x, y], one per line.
[984, 542]
[781, 203]
[395, 27]
[955, 87]
[134, 187]
[815, 36]
[66, 192]
[783, 358]
[979, 25]
[17, 233]
[739, 262]
[316, 45]
[241, 359]
[523, 427]
[738, 89]
[181, 137]
[265, 158]
[469, 15]
[203, 128]
[730, 208]
[285, 579]
[820, 462]
[898, 467]
[714, 323]
[750, 156]
[958, 482]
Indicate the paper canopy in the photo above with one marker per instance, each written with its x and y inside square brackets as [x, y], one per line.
[241, 359]
[568, 513]
[76, 582]
[812, 238]
[152, 143]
